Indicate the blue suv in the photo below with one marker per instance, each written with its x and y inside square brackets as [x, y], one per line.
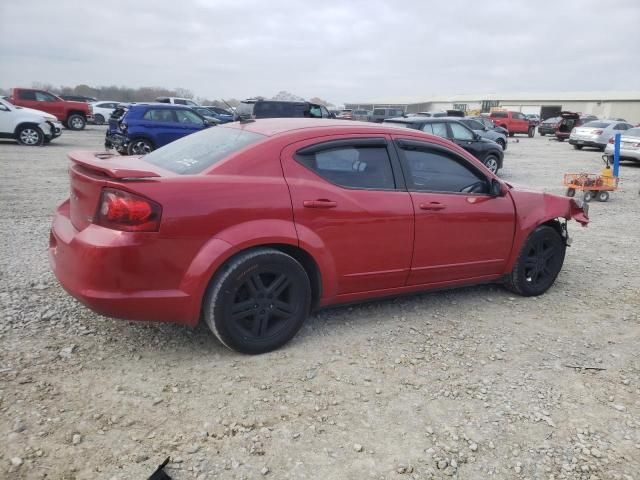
[139, 128]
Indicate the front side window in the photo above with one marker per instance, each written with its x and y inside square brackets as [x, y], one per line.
[315, 111]
[160, 115]
[460, 132]
[474, 125]
[352, 167]
[434, 170]
[179, 101]
[440, 129]
[187, 116]
[621, 126]
[45, 97]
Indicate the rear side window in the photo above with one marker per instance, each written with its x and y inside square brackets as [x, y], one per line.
[160, 115]
[378, 111]
[352, 167]
[196, 152]
[436, 171]
[499, 114]
[596, 125]
[439, 129]
[27, 95]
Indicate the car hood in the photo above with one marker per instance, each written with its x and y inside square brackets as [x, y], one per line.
[40, 113]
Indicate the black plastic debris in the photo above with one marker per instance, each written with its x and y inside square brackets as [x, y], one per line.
[160, 474]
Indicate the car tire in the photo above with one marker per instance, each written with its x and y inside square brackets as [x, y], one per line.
[602, 196]
[511, 134]
[571, 192]
[531, 132]
[76, 122]
[560, 139]
[139, 146]
[578, 147]
[98, 119]
[30, 135]
[587, 196]
[538, 264]
[492, 162]
[542, 134]
[249, 293]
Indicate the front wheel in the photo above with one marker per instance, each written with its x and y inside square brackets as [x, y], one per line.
[492, 163]
[538, 264]
[258, 301]
[578, 147]
[139, 146]
[30, 136]
[76, 122]
[98, 119]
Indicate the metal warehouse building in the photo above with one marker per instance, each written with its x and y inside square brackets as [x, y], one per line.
[624, 105]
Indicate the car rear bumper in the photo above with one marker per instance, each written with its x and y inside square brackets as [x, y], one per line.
[116, 140]
[546, 130]
[103, 269]
[625, 153]
[586, 143]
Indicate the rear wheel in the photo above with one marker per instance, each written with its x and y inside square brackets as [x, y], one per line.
[139, 146]
[538, 264]
[98, 119]
[602, 196]
[578, 147]
[30, 135]
[587, 196]
[258, 301]
[76, 122]
[492, 163]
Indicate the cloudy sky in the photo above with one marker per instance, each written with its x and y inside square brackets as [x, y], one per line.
[339, 50]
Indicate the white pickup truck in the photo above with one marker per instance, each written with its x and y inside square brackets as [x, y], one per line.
[26, 125]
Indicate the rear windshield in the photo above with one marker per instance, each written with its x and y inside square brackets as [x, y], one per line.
[194, 153]
[596, 125]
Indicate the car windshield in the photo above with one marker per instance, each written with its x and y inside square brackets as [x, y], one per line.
[596, 125]
[194, 153]
[632, 132]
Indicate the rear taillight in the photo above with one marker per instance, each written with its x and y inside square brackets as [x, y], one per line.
[126, 211]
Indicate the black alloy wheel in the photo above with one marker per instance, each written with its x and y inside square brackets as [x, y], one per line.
[539, 262]
[258, 301]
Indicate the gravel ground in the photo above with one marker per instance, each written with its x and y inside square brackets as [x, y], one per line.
[473, 383]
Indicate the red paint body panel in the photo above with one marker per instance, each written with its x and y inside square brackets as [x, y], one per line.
[514, 125]
[371, 243]
[60, 108]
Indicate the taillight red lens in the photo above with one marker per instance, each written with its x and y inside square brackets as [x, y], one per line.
[126, 211]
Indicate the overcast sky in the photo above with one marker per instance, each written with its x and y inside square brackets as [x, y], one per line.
[338, 50]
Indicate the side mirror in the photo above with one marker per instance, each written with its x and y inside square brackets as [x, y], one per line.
[495, 189]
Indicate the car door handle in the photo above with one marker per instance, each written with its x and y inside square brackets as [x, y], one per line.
[432, 206]
[320, 203]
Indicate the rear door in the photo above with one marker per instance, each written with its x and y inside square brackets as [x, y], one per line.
[461, 232]
[349, 202]
[465, 138]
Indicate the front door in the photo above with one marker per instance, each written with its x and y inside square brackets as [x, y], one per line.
[461, 231]
[350, 206]
[467, 139]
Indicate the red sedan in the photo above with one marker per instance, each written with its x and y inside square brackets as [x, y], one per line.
[252, 225]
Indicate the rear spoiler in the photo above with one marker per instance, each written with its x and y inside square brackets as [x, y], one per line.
[111, 165]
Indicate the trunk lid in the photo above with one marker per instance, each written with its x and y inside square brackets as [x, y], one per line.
[91, 171]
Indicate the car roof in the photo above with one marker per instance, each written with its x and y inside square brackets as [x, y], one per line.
[170, 106]
[275, 126]
[422, 119]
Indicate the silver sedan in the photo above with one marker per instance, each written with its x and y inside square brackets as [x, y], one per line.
[629, 145]
[596, 133]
